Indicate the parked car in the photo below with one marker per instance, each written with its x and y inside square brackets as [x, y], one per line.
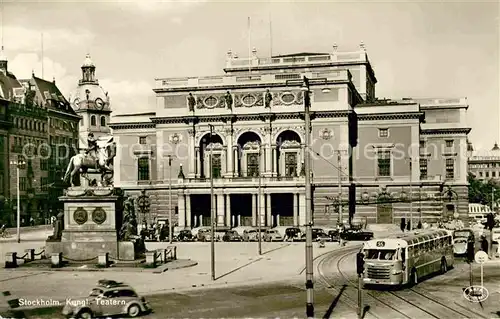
[272, 235]
[317, 235]
[196, 230]
[350, 234]
[232, 235]
[334, 235]
[204, 235]
[185, 235]
[108, 298]
[241, 229]
[293, 234]
[251, 235]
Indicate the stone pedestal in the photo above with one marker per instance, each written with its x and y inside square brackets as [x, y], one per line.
[90, 226]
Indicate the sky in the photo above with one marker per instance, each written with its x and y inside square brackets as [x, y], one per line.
[417, 48]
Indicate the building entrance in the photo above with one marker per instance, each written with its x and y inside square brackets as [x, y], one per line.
[241, 210]
[200, 210]
[282, 209]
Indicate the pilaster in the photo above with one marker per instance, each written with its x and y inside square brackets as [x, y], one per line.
[295, 210]
[268, 210]
[254, 210]
[268, 153]
[182, 210]
[188, 211]
[229, 154]
[192, 153]
[228, 210]
[219, 199]
[302, 209]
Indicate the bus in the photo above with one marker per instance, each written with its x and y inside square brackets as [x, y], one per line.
[402, 260]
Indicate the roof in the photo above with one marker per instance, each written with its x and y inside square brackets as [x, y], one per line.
[8, 85]
[53, 94]
[299, 54]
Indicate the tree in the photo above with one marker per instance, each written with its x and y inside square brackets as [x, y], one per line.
[480, 192]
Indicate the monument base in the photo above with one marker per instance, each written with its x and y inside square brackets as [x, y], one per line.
[82, 251]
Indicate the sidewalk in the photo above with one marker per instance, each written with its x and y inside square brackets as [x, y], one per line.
[236, 264]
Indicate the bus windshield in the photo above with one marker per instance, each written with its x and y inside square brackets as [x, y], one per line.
[462, 233]
[381, 254]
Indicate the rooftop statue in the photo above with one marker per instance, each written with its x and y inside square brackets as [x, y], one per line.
[97, 158]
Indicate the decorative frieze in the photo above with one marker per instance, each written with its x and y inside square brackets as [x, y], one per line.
[248, 99]
[288, 98]
[211, 101]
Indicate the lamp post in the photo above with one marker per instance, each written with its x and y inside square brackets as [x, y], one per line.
[305, 82]
[411, 195]
[339, 168]
[170, 229]
[212, 211]
[20, 163]
[259, 216]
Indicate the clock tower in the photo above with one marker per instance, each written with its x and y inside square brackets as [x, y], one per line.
[91, 102]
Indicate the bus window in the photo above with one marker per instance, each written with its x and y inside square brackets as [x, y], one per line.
[381, 254]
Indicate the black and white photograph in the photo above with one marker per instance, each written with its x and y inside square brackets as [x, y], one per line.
[249, 159]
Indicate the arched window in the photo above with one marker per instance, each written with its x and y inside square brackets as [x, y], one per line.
[103, 121]
[93, 120]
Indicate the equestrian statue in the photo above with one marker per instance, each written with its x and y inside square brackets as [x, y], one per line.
[98, 158]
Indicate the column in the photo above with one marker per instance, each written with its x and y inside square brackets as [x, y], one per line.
[188, 210]
[302, 209]
[295, 210]
[197, 162]
[236, 159]
[254, 210]
[192, 155]
[262, 209]
[182, 211]
[219, 200]
[268, 210]
[229, 151]
[268, 153]
[228, 210]
[273, 159]
[160, 171]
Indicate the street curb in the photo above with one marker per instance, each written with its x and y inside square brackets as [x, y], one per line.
[114, 269]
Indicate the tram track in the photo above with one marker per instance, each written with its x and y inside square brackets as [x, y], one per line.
[407, 303]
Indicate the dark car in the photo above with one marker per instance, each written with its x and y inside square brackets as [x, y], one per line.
[317, 235]
[232, 235]
[185, 235]
[334, 235]
[293, 234]
[351, 234]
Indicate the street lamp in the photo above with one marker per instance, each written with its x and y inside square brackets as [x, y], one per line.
[305, 82]
[259, 201]
[20, 164]
[170, 229]
[212, 203]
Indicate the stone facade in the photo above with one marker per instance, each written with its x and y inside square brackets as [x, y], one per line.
[265, 107]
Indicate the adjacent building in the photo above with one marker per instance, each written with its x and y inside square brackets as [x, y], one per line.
[249, 121]
[485, 164]
[37, 124]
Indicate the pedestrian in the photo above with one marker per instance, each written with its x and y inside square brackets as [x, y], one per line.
[484, 244]
[32, 221]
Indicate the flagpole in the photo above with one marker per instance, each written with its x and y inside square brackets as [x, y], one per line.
[249, 48]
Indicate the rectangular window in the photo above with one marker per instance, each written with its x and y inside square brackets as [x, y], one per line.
[449, 143]
[480, 174]
[383, 132]
[142, 140]
[384, 163]
[450, 168]
[487, 174]
[291, 164]
[423, 168]
[44, 164]
[23, 183]
[253, 164]
[216, 165]
[143, 169]
[493, 174]
[44, 185]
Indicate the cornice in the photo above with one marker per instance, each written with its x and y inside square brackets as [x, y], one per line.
[131, 126]
[390, 116]
[443, 131]
[223, 86]
[298, 66]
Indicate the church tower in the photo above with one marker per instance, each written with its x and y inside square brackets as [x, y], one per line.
[91, 102]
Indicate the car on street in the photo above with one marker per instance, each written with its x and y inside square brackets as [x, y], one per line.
[185, 235]
[334, 234]
[232, 235]
[272, 235]
[352, 234]
[204, 235]
[293, 234]
[108, 298]
[318, 234]
[251, 235]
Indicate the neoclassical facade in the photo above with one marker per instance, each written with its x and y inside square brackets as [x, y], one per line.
[250, 122]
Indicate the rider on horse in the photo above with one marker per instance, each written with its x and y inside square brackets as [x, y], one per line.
[92, 146]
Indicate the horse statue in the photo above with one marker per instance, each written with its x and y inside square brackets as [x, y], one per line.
[100, 161]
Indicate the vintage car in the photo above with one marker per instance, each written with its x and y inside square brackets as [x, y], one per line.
[204, 235]
[251, 234]
[108, 298]
[352, 234]
[318, 234]
[232, 235]
[272, 235]
[461, 238]
[185, 235]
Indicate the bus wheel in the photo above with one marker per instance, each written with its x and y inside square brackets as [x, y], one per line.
[444, 266]
[413, 277]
